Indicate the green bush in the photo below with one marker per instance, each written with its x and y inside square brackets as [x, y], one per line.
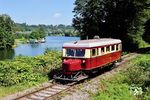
[147, 95]
[28, 69]
[145, 64]
[135, 76]
[16, 72]
[139, 73]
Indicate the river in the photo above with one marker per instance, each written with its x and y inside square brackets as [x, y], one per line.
[52, 42]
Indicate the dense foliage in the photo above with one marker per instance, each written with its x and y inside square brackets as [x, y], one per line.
[28, 69]
[7, 54]
[123, 19]
[6, 32]
[128, 85]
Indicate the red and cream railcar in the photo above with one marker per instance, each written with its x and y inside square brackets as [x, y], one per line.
[87, 55]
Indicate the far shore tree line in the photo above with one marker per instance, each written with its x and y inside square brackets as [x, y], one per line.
[40, 31]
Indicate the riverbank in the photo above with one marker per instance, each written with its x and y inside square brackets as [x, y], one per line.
[20, 41]
[24, 41]
[24, 72]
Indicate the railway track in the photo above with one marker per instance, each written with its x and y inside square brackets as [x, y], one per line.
[46, 92]
[54, 89]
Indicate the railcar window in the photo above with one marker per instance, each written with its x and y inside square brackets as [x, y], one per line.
[97, 51]
[70, 52]
[117, 47]
[112, 47]
[75, 52]
[102, 50]
[108, 49]
[80, 52]
[94, 52]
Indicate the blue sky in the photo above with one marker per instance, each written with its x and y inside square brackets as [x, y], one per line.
[39, 11]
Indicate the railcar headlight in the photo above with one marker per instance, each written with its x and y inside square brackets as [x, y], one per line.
[83, 61]
[64, 60]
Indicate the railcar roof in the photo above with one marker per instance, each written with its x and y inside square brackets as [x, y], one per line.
[92, 42]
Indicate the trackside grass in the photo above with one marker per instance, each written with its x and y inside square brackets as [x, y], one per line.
[131, 84]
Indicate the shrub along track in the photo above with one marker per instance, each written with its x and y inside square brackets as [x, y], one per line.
[51, 90]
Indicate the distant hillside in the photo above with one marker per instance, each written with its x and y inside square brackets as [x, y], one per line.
[63, 30]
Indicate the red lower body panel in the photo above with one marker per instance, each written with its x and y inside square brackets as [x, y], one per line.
[72, 65]
[100, 61]
[76, 64]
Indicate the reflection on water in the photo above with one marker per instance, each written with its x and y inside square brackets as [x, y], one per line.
[7, 54]
[35, 45]
[52, 42]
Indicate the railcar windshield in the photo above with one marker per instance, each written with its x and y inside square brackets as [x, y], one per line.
[75, 52]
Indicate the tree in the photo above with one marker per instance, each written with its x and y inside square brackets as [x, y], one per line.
[121, 19]
[34, 35]
[6, 32]
[38, 34]
[41, 32]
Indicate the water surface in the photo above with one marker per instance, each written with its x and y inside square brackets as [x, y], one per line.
[53, 42]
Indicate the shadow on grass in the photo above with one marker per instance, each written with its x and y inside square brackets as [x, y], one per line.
[144, 50]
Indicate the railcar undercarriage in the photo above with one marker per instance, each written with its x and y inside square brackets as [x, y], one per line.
[78, 76]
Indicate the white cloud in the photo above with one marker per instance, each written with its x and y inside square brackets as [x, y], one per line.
[57, 15]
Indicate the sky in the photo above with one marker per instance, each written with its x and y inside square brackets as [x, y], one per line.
[39, 11]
